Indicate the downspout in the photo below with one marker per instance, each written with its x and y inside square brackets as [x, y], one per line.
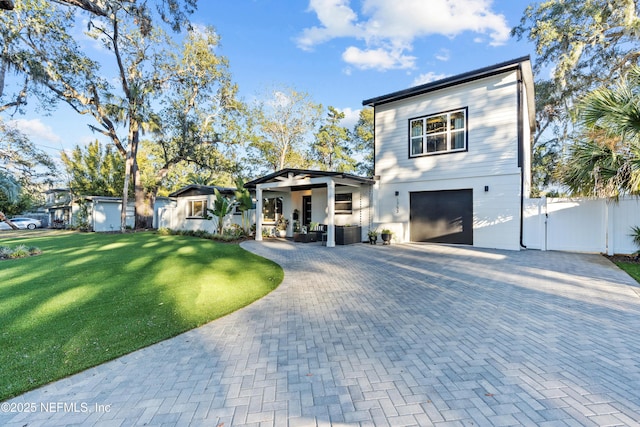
[521, 152]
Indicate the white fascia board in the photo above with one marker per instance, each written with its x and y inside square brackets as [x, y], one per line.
[294, 182]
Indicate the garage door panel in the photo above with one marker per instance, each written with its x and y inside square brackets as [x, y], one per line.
[442, 216]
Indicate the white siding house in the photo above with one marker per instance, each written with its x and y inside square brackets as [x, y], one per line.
[340, 202]
[190, 209]
[99, 213]
[452, 157]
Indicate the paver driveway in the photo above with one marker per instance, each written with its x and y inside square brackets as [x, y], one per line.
[372, 335]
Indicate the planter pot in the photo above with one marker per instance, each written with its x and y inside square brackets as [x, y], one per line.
[347, 235]
[373, 240]
[282, 233]
[305, 237]
[386, 239]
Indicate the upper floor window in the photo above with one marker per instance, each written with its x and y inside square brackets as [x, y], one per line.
[196, 208]
[439, 133]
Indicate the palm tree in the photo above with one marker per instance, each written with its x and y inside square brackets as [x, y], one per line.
[11, 189]
[606, 160]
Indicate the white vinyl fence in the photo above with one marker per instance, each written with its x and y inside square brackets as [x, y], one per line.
[581, 224]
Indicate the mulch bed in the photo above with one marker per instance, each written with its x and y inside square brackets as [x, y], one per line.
[631, 259]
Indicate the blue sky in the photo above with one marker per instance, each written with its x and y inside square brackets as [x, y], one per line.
[339, 51]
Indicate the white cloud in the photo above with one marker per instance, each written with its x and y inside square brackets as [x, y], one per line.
[427, 78]
[392, 27]
[380, 58]
[351, 117]
[444, 55]
[35, 129]
[336, 19]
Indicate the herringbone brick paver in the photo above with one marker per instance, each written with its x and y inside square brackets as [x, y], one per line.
[385, 336]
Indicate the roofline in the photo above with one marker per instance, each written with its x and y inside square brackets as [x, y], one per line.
[223, 190]
[267, 178]
[448, 82]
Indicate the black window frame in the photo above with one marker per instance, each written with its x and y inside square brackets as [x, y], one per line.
[448, 133]
[347, 202]
[276, 203]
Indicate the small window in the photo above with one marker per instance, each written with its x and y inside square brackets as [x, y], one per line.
[439, 133]
[196, 208]
[343, 203]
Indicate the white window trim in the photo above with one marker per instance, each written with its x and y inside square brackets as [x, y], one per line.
[448, 132]
[190, 209]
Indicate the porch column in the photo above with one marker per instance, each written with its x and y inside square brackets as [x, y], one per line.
[331, 210]
[258, 236]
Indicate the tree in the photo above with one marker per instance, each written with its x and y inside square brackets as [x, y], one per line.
[587, 44]
[363, 141]
[244, 203]
[547, 145]
[94, 170]
[280, 129]
[45, 25]
[331, 150]
[43, 50]
[23, 163]
[197, 125]
[39, 25]
[9, 188]
[222, 206]
[605, 161]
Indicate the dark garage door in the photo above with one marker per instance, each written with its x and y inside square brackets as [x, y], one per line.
[442, 216]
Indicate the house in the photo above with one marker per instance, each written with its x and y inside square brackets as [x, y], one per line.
[334, 199]
[58, 205]
[190, 209]
[452, 157]
[98, 213]
[452, 165]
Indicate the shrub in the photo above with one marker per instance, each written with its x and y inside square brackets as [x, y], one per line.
[234, 231]
[19, 251]
[34, 250]
[635, 235]
[5, 251]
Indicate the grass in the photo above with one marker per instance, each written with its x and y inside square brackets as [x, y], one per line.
[89, 298]
[632, 269]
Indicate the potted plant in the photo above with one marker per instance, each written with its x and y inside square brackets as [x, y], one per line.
[386, 236]
[282, 225]
[373, 236]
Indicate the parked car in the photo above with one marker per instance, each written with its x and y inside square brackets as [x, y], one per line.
[29, 223]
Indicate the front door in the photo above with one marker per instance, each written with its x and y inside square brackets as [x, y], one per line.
[306, 211]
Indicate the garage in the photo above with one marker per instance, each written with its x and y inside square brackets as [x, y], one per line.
[442, 216]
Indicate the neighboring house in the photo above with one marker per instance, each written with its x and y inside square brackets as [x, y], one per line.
[452, 157]
[102, 213]
[190, 209]
[328, 198]
[58, 205]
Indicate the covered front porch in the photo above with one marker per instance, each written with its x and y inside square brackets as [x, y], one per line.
[308, 197]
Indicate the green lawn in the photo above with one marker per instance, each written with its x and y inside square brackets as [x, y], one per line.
[89, 298]
[633, 269]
